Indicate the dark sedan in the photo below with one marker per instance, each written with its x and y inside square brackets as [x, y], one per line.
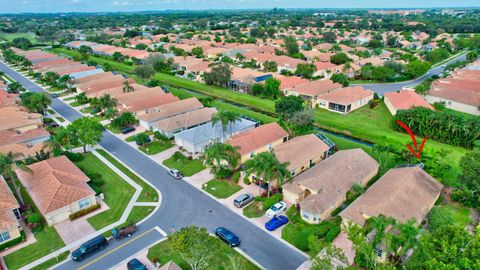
[276, 222]
[227, 236]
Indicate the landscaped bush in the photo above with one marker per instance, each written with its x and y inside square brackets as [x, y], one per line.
[84, 211]
[161, 137]
[223, 172]
[178, 156]
[13, 242]
[236, 177]
[246, 181]
[34, 218]
[73, 157]
[141, 138]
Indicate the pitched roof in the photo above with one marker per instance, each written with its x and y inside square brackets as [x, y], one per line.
[402, 193]
[171, 265]
[15, 117]
[135, 102]
[288, 82]
[97, 76]
[171, 109]
[7, 204]
[185, 120]
[347, 95]
[300, 150]
[258, 137]
[10, 136]
[55, 183]
[463, 91]
[315, 88]
[406, 99]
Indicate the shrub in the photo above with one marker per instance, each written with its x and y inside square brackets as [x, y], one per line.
[223, 172]
[161, 137]
[236, 177]
[178, 156]
[373, 103]
[36, 228]
[246, 181]
[332, 234]
[34, 218]
[13, 242]
[141, 138]
[73, 157]
[270, 201]
[84, 211]
[293, 214]
[95, 188]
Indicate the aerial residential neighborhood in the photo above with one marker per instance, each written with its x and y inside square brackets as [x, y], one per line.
[239, 135]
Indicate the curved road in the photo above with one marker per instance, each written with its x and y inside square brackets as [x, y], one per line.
[393, 87]
[182, 205]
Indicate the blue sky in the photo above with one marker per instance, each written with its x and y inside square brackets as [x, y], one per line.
[18, 6]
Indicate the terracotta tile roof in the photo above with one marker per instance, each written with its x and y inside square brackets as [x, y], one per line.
[133, 102]
[55, 183]
[6, 99]
[185, 120]
[94, 77]
[467, 74]
[51, 63]
[315, 88]
[10, 136]
[171, 109]
[347, 95]
[463, 91]
[16, 117]
[332, 178]
[300, 150]
[21, 151]
[402, 193]
[118, 90]
[290, 82]
[7, 204]
[257, 138]
[406, 99]
[325, 66]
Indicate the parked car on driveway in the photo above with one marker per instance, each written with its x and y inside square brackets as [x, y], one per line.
[127, 130]
[227, 236]
[276, 222]
[175, 173]
[135, 264]
[243, 200]
[89, 247]
[126, 231]
[277, 209]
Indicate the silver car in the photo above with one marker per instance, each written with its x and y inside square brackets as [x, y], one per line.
[175, 173]
[243, 200]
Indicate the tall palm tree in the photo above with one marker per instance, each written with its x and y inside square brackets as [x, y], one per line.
[106, 102]
[127, 87]
[43, 101]
[347, 67]
[225, 118]
[110, 113]
[267, 168]
[8, 164]
[218, 155]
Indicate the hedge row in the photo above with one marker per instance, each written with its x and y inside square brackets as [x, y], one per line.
[84, 211]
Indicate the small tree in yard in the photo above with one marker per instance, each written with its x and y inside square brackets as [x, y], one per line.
[124, 120]
[87, 130]
[141, 138]
[221, 156]
[219, 75]
[265, 166]
[144, 71]
[194, 246]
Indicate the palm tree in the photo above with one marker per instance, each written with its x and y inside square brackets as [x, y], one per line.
[63, 138]
[217, 154]
[43, 101]
[225, 118]
[8, 164]
[106, 102]
[127, 87]
[110, 113]
[266, 167]
[347, 67]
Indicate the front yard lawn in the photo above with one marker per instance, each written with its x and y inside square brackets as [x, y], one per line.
[155, 147]
[221, 189]
[149, 194]
[220, 261]
[253, 210]
[116, 190]
[53, 261]
[60, 119]
[187, 167]
[48, 240]
[75, 104]
[137, 214]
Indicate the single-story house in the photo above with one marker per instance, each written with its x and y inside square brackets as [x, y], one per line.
[345, 100]
[402, 193]
[58, 188]
[404, 100]
[23, 144]
[171, 125]
[143, 101]
[260, 139]
[302, 152]
[323, 188]
[458, 95]
[311, 90]
[177, 107]
[196, 139]
[9, 214]
[16, 119]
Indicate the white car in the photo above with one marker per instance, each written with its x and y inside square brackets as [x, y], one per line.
[175, 173]
[277, 209]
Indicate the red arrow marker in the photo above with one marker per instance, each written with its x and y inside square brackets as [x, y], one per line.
[414, 151]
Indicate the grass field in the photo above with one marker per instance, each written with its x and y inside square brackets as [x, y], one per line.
[186, 166]
[117, 192]
[53, 261]
[155, 147]
[11, 36]
[148, 192]
[221, 189]
[137, 214]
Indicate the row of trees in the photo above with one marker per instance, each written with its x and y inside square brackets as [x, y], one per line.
[444, 127]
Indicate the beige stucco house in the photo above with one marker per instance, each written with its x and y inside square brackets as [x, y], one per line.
[323, 188]
[9, 214]
[58, 188]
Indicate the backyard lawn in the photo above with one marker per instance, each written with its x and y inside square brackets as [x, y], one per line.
[116, 190]
[48, 240]
[221, 189]
[155, 147]
[149, 194]
[187, 167]
[163, 254]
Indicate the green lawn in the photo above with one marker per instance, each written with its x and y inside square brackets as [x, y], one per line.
[184, 165]
[220, 261]
[254, 210]
[75, 104]
[456, 213]
[148, 192]
[11, 36]
[48, 240]
[61, 119]
[132, 138]
[48, 264]
[117, 192]
[70, 98]
[137, 214]
[221, 189]
[51, 111]
[155, 147]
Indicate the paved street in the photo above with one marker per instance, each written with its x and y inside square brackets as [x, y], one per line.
[393, 87]
[182, 205]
